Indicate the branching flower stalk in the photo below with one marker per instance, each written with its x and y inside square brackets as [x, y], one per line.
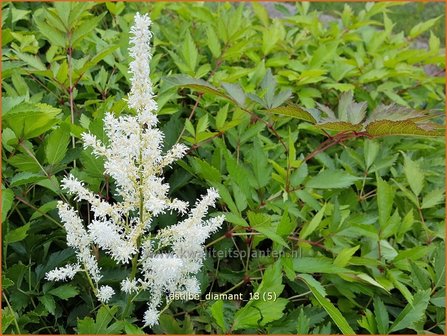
[160, 262]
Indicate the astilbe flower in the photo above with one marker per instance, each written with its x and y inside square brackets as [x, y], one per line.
[134, 159]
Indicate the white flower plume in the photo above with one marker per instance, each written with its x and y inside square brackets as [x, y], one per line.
[169, 259]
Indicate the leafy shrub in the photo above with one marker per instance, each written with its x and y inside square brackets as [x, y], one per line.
[348, 238]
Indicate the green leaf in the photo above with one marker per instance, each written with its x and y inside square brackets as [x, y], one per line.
[293, 111]
[422, 27]
[7, 199]
[262, 311]
[333, 312]
[433, 198]
[31, 60]
[331, 179]
[385, 197]
[8, 317]
[381, 314]
[132, 329]
[345, 256]
[235, 92]
[101, 326]
[303, 323]
[213, 42]
[262, 223]
[64, 292]
[86, 27]
[195, 84]
[205, 170]
[259, 161]
[412, 313]
[373, 75]
[414, 175]
[49, 303]
[217, 311]
[316, 265]
[24, 162]
[189, 51]
[309, 279]
[17, 235]
[261, 12]
[381, 128]
[86, 326]
[31, 120]
[420, 277]
[25, 178]
[324, 53]
[44, 209]
[311, 226]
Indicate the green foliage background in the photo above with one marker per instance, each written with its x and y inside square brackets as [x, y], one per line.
[358, 230]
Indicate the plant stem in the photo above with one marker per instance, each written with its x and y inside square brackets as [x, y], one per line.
[71, 87]
[42, 169]
[37, 210]
[235, 286]
[215, 241]
[13, 315]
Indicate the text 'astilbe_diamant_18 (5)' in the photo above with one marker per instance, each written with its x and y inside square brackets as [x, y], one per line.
[134, 160]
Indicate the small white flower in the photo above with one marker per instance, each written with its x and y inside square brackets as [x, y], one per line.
[63, 273]
[129, 286]
[192, 286]
[151, 317]
[105, 293]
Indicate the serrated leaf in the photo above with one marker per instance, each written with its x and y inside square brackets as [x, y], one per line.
[316, 265]
[422, 27]
[205, 170]
[293, 111]
[414, 174]
[309, 279]
[312, 225]
[213, 42]
[385, 197]
[404, 127]
[259, 312]
[17, 235]
[189, 51]
[235, 92]
[340, 126]
[31, 60]
[31, 120]
[7, 199]
[25, 178]
[132, 329]
[345, 255]
[262, 223]
[381, 315]
[49, 303]
[259, 161]
[421, 278]
[57, 144]
[331, 179]
[433, 198]
[8, 317]
[412, 313]
[217, 311]
[195, 84]
[333, 312]
[64, 292]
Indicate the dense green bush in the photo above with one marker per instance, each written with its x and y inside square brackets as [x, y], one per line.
[356, 224]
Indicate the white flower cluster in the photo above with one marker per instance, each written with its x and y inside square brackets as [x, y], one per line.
[169, 259]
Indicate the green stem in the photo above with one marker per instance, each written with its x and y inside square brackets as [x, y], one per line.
[13, 315]
[215, 241]
[43, 169]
